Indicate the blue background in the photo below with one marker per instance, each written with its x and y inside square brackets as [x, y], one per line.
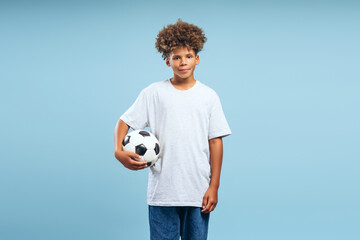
[287, 73]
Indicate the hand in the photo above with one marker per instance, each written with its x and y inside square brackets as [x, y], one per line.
[130, 160]
[210, 200]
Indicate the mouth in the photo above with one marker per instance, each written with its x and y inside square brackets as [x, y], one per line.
[184, 70]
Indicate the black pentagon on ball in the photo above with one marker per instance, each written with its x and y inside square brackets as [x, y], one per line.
[126, 140]
[144, 133]
[157, 148]
[140, 149]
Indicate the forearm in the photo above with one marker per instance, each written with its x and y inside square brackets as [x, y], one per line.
[121, 130]
[216, 155]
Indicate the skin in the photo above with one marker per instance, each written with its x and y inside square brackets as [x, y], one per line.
[210, 198]
[185, 58]
[180, 58]
[125, 157]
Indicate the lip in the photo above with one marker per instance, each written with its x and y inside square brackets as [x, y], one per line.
[184, 70]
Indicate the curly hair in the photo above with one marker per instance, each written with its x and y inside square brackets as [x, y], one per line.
[180, 34]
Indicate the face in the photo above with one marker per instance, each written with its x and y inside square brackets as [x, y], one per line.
[183, 62]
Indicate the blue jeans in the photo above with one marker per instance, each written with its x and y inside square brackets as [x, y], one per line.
[169, 223]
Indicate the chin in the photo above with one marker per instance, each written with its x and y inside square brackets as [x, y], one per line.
[184, 76]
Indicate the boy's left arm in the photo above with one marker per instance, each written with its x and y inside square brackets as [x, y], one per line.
[211, 196]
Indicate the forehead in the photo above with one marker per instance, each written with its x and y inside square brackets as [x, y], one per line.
[182, 51]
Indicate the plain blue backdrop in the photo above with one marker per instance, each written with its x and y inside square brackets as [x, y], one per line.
[287, 73]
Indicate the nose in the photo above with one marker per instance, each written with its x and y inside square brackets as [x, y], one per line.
[182, 61]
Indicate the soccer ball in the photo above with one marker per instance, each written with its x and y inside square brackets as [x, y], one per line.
[143, 143]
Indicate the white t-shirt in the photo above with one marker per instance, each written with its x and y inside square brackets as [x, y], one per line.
[183, 121]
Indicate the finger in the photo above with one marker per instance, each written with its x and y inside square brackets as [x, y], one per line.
[141, 164]
[136, 168]
[139, 168]
[132, 154]
[137, 162]
[208, 208]
[205, 201]
[212, 207]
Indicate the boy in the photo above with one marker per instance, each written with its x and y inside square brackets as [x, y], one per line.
[187, 118]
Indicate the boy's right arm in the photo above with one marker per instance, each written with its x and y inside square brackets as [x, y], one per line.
[125, 157]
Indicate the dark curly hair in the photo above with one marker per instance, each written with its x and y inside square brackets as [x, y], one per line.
[180, 34]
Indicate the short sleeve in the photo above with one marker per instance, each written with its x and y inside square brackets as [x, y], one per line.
[137, 114]
[218, 126]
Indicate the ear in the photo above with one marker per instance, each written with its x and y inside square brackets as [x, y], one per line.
[197, 59]
[168, 62]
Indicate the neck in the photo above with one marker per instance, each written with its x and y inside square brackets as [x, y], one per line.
[183, 81]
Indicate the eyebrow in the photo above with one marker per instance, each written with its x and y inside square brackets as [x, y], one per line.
[185, 54]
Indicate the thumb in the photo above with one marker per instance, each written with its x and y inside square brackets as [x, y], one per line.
[135, 155]
[205, 201]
